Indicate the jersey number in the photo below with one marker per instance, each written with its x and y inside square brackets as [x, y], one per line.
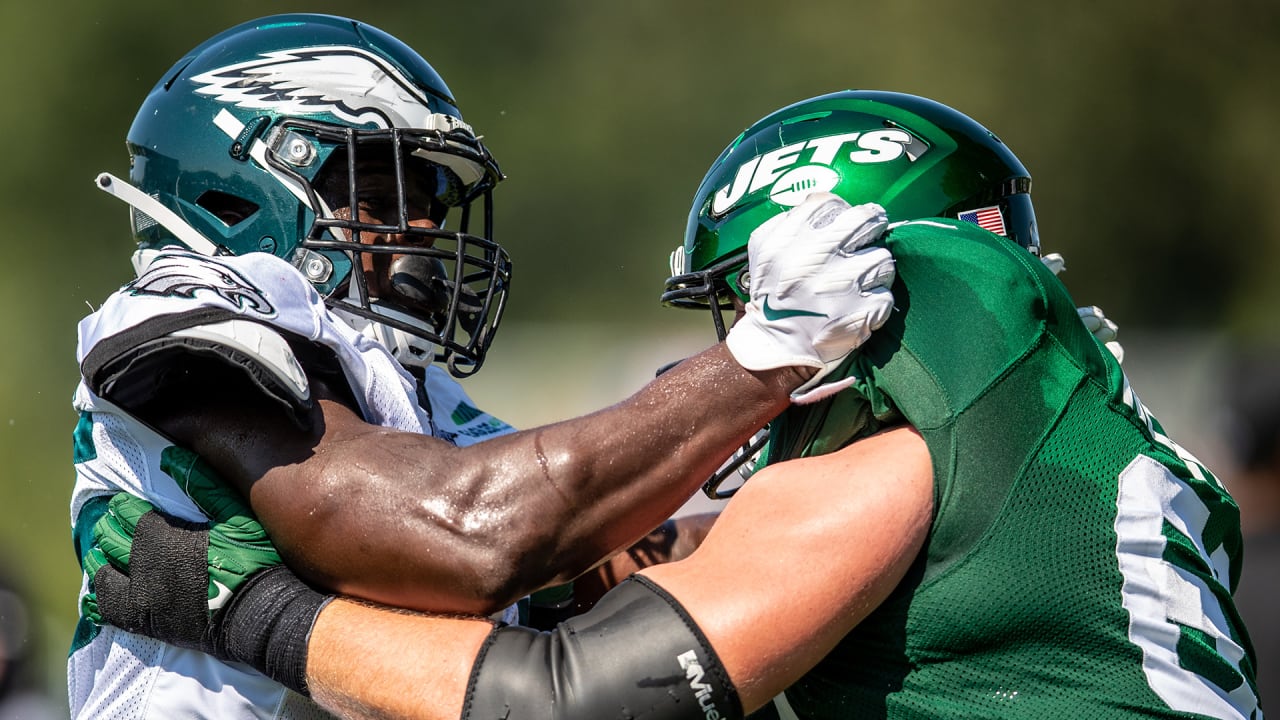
[1188, 654]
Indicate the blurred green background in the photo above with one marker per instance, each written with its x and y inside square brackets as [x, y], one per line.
[1150, 127]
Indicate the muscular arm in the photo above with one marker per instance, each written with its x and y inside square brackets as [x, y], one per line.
[828, 538]
[807, 549]
[410, 520]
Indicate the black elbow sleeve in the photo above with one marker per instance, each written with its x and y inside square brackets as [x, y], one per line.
[636, 655]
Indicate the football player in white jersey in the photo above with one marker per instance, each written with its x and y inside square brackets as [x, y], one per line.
[303, 190]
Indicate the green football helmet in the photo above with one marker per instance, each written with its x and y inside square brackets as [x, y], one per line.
[250, 140]
[916, 157]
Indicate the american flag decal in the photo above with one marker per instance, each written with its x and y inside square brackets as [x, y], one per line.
[987, 218]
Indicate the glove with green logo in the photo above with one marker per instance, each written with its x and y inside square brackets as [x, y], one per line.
[217, 587]
[817, 289]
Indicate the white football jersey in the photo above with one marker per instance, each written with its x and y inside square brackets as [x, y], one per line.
[115, 674]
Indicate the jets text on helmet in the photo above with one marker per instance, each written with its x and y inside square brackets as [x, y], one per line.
[772, 168]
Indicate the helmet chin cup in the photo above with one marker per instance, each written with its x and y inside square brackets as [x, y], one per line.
[420, 285]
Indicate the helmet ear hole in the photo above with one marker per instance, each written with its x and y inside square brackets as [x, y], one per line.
[230, 209]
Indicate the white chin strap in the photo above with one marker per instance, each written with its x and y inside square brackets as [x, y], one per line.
[166, 218]
[409, 350]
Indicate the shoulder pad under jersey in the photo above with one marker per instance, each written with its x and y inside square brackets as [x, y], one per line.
[128, 369]
[253, 312]
[262, 345]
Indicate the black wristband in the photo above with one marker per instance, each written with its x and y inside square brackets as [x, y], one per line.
[267, 624]
[636, 654]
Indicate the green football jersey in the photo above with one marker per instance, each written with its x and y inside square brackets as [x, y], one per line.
[1080, 563]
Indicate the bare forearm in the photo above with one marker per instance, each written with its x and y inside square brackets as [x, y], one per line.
[411, 666]
[609, 478]
[473, 529]
[496, 520]
[406, 519]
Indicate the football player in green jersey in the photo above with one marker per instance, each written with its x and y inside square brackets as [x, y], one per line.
[1079, 563]
[973, 517]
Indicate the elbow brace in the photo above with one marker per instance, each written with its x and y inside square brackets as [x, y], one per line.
[636, 654]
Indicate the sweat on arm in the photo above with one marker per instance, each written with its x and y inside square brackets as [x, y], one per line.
[440, 527]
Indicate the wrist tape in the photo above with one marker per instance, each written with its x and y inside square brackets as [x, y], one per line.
[267, 625]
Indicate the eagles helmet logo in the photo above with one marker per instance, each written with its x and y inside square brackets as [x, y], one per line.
[185, 274]
[347, 82]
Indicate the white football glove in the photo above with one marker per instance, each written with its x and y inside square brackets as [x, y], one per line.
[1104, 330]
[817, 290]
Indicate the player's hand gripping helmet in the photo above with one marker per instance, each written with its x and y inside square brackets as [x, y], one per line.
[916, 157]
[250, 140]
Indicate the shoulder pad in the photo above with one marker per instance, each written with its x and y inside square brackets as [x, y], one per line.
[264, 346]
[130, 373]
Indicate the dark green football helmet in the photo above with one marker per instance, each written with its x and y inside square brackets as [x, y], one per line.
[252, 138]
[916, 157]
